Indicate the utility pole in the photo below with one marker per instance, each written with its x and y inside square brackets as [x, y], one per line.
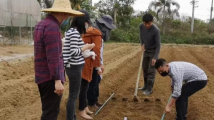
[211, 11]
[193, 12]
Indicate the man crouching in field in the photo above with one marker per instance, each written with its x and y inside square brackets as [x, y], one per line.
[194, 80]
[150, 43]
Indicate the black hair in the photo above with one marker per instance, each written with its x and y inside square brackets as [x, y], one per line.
[87, 16]
[79, 23]
[159, 63]
[147, 18]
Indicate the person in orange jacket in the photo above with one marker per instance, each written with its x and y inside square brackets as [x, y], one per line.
[92, 36]
[104, 25]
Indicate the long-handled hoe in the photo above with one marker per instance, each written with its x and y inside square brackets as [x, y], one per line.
[138, 78]
[163, 116]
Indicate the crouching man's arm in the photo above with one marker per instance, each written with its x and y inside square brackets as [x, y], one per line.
[177, 86]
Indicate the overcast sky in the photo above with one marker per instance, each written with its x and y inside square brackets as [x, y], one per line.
[202, 11]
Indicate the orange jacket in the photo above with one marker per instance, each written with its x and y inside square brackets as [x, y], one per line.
[93, 35]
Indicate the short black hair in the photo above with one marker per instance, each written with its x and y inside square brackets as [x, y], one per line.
[147, 18]
[159, 63]
[79, 23]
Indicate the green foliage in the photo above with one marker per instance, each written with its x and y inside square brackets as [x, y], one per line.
[176, 23]
[124, 13]
[121, 10]
[130, 33]
[177, 32]
[11, 31]
[190, 39]
[211, 27]
[47, 3]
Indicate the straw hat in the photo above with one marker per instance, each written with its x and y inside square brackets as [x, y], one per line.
[63, 6]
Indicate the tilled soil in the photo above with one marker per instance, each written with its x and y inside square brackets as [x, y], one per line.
[19, 96]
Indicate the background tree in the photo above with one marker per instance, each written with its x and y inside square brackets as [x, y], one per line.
[47, 3]
[164, 8]
[120, 10]
[81, 4]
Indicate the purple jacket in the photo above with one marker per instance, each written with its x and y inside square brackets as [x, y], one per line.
[48, 51]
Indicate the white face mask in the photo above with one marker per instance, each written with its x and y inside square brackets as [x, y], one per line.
[86, 26]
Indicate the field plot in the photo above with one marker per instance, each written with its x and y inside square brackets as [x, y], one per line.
[19, 96]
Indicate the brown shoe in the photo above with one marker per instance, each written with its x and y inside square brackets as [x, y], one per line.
[93, 108]
[99, 104]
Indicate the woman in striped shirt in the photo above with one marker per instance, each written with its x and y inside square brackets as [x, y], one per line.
[74, 62]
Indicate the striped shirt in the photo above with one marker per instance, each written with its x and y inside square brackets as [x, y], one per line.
[72, 53]
[184, 72]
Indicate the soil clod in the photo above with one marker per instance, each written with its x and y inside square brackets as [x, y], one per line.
[124, 99]
[114, 98]
[135, 99]
[146, 100]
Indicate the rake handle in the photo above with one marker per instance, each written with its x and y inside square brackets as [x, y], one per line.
[138, 77]
[104, 104]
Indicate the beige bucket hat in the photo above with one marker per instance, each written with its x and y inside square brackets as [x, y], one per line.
[63, 6]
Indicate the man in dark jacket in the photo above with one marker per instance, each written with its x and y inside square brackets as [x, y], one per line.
[150, 44]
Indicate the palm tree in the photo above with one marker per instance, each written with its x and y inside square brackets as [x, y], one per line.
[164, 7]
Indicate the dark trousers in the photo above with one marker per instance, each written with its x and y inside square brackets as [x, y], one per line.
[97, 90]
[93, 91]
[50, 100]
[148, 70]
[187, 90]
[74, 73]
[83, 95]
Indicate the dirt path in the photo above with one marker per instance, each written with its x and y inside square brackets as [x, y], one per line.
[10, 50]
[15, 57]
[20, 97]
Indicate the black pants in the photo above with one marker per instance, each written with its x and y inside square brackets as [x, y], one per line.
[50, 100]
[148, 70]
[97, 90]
[187, 90]
[74, 73]
[83, 95]
[93, 91]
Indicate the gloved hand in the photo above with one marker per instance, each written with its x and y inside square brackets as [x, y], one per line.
[88, 53]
